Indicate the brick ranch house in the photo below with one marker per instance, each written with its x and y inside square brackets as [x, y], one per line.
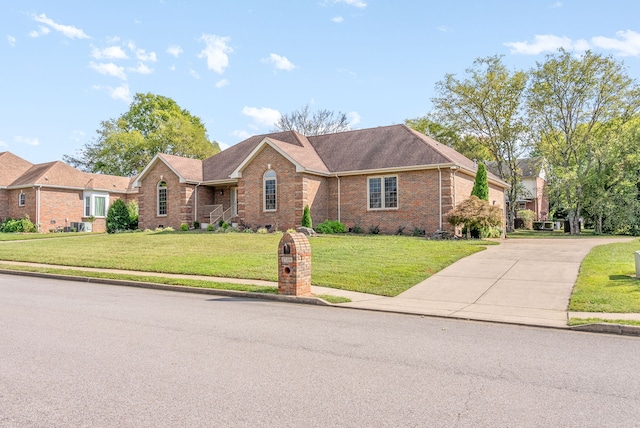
[391, 177]
[57, 196]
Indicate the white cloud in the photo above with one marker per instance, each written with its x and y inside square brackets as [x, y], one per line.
[240, 134]
[3, 144]
[12, 40]
[222, 83]
[556, 5]
[42, 30]
[174, 50]
[356, 3]
[443, 28]
[109, 69]
[173, 67]
[141, 54]
[264, 116]
[121, 93]
[194, 74]
[215, 52]
[337, 19]
[354, 118]
[77, 136]
[280, 62]
[546, 43]
[224, 146]
[67, 30]
[112, 52]
[627, 43]
[142, 68]
[26, 140]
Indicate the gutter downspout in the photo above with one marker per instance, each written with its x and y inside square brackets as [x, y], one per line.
[440, 196]
[195, 208]
[38, 206]
[338, 197]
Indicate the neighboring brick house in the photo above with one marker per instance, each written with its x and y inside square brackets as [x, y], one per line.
[56, 196]
[391, 177]
[532, 193]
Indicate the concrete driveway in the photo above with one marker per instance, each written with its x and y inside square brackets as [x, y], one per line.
[523, 281]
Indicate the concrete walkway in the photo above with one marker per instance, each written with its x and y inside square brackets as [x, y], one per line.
[520, 281]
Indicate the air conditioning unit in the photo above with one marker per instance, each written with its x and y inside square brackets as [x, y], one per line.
[82, 226]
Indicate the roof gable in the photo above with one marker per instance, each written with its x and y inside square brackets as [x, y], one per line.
[12, 167]
[186, 169]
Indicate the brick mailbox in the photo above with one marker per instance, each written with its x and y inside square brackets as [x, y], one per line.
[294, 265]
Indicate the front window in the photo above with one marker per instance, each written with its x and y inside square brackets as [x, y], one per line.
[22, 199]
[270, 190]
[95, 204]
[383, 192]
[162, 198]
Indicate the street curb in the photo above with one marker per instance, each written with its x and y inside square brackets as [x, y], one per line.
[178, 288]
[610, 328]
[607, 328]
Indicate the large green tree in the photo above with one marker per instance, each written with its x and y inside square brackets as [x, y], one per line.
[153, 124]
[578, 105]
[487, 104]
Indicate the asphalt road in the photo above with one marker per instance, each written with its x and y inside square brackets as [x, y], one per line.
[77, 354]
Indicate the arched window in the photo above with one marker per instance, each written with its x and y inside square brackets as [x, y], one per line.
[269, 187]
[162, 198]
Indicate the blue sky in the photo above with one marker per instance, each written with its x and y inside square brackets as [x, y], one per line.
[68, 65]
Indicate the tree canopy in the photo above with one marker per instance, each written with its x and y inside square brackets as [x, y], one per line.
[313, 123]
[578, 107]
[153, 124]
[486, 104]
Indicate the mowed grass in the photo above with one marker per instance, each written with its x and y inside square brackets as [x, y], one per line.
[607, 282]
[383, 265]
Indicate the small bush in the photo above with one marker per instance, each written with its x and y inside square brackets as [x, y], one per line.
[418, 232]
[196, 224]
[247, 230]
[357, 229]
[527, 217]
[306, 217]
[400, 230]
[184, 227]
[331, 226]
[291, 231]
[262, 230]
[22, 225]
[374, 230]
[118, 217]
[210, 228]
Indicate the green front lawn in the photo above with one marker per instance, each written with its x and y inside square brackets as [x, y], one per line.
[607, 282]
[384, 265]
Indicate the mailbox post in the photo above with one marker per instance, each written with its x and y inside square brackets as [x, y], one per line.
[294, 265]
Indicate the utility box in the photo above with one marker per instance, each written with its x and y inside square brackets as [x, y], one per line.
[294, 265]
[638, 264]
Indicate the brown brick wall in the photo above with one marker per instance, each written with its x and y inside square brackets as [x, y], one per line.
[314, 194]
[418, 202]
[180, 199]
[289, 187]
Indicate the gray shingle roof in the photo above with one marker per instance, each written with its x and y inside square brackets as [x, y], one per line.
[385, 147]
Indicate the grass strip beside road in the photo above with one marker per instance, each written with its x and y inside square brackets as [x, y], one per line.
[141, 278]
[606, 282]
[583, 321]
[375, 264]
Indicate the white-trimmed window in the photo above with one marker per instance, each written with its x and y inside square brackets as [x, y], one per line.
[95, 204]
[269, 190]
[382, 192]
[22, 199]
[162, 198]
